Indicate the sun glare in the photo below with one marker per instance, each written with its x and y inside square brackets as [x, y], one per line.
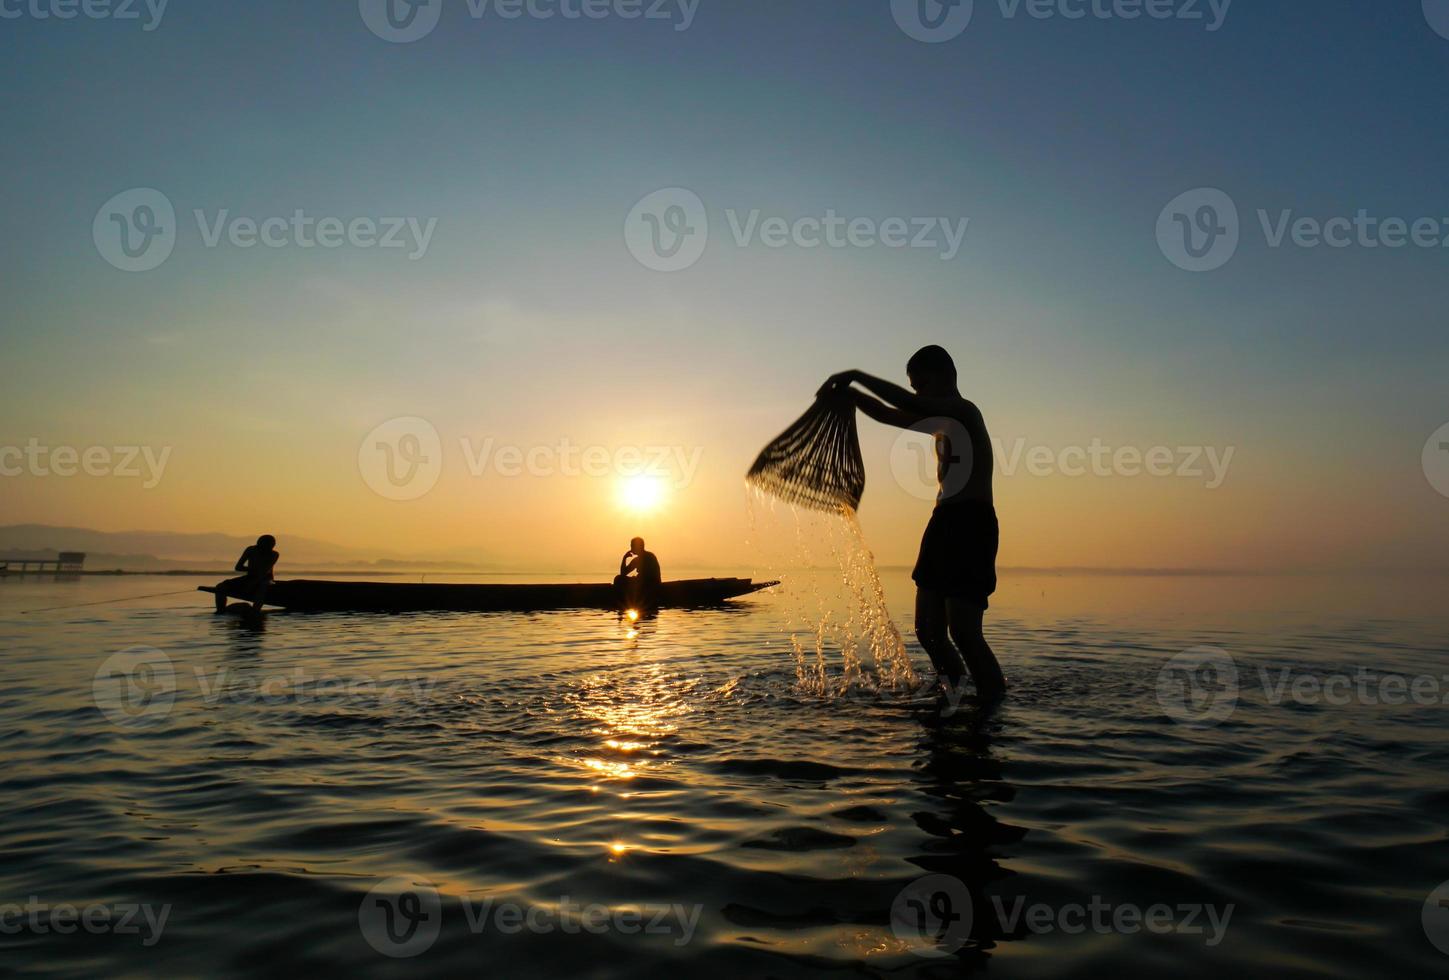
[641, 493]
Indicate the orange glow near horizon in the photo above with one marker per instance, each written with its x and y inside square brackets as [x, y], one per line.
[245, 470]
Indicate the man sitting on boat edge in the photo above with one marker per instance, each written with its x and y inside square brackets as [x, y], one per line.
[639, 576]
[257, 561]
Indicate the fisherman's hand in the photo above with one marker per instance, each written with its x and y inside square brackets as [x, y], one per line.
[837, 381]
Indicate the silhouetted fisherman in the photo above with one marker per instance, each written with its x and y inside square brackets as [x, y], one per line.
[639, 576]
[257, 561]
[956, 571]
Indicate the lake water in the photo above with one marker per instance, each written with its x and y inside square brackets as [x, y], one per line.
[576, 794]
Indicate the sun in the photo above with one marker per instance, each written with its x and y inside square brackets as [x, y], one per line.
[641, 494]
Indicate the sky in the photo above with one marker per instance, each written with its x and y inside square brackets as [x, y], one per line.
[538, 173]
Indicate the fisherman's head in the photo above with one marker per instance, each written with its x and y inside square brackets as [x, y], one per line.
[636, 545]
[932, 372]
[266, 542]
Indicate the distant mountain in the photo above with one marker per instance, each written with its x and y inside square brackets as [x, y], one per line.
[163, 550]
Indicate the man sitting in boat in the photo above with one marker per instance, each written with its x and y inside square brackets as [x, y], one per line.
[257, 562]
[639, 576]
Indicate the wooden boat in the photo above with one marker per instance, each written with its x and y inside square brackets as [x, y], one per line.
[306, 596]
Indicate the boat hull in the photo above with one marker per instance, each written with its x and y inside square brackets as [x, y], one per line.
[310, 596]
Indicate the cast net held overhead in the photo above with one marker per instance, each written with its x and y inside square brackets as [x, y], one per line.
[816, 462]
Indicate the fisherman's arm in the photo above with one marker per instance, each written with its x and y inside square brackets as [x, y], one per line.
[889, 392]
[881, 412]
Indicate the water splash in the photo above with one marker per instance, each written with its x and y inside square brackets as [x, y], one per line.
[842, 639]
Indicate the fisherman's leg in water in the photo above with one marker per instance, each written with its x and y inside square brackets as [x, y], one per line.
[931, 624]
[223, 590]
[966, 631]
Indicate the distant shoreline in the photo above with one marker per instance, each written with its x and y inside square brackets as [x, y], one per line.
[219, 573]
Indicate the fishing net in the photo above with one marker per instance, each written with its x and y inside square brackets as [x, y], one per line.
[816, 462]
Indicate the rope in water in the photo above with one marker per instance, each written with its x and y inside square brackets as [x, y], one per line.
[106, 602]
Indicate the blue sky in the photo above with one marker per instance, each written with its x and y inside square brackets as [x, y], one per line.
[529, 141]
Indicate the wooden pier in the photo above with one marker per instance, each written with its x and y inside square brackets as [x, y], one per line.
[66, 563]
